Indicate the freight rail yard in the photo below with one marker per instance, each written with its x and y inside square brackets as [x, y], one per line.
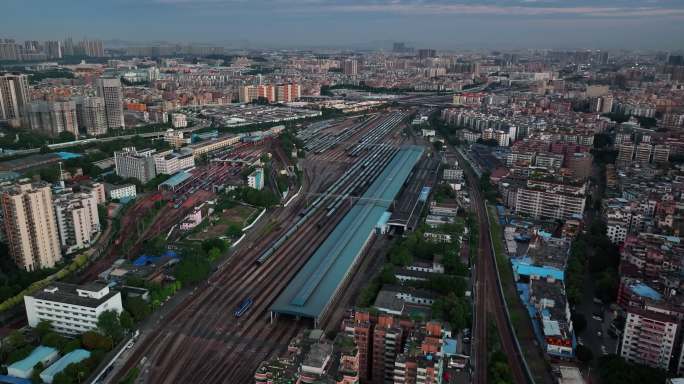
[285, 275]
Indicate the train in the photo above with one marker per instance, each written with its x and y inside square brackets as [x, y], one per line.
[243, 307]
[360, 172]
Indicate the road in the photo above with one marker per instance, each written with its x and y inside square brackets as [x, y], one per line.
[201, 125]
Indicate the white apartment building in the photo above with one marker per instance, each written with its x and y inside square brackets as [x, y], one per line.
[77, 220]
[121, 191]
[136, 164]
[71, 309]
[256, 179]
[170, 163]
[179, 120]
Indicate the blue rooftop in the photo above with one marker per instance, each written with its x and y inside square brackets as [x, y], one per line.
[644, 290]
[449, 347]
[176, 179]
[74, 356]
[13, 380]
[68, 155]
[40, 353]
[310, 291]
[147, 259]
[522, 267]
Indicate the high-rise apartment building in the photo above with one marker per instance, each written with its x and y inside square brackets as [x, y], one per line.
[14, 96]
[286, 93]
[53, 49]
[52, 118]
[250, 93]
[30, 225]
[91, 115]
[139, 165]
[8, 49]
[421, 360]
[556, 200]
[77, 220]
[426, 53]
[110, 90]
[92, 48]
[350, 67]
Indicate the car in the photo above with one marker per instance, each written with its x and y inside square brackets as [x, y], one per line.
[604, 351]
[596, 300]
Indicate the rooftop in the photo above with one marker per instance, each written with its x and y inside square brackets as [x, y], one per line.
[74, 356]
[39, 354]
[69, 294]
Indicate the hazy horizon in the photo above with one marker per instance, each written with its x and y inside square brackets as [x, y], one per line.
[514, 24]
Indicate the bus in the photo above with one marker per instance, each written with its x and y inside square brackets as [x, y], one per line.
[243, 307]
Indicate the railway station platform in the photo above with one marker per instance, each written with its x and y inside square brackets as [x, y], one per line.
[317, 284]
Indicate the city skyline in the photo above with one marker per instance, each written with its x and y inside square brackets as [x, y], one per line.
[349, 23]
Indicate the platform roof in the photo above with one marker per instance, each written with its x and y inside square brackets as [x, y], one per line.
[176, 179]
[311, 290]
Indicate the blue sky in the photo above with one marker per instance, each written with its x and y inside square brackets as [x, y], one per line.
[655, 24]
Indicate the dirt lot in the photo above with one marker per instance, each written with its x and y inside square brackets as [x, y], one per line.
[239, 215]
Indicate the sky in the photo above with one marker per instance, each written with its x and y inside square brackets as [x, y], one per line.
[441, 24]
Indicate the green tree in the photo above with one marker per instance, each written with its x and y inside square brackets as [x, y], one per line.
[126, 320]
[54, 340]
[137, 307]
[192, 269]
[109, 324]
[93, 340]
[387, 275]
[35, 375]
[43, 328]
[401, 256]
[214, 254]
[234, 231]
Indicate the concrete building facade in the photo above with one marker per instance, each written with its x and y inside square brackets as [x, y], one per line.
[14, 96]
[110, 90]
[52, 118]
[92, 116]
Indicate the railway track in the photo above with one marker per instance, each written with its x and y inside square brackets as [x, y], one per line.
[490, 302]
